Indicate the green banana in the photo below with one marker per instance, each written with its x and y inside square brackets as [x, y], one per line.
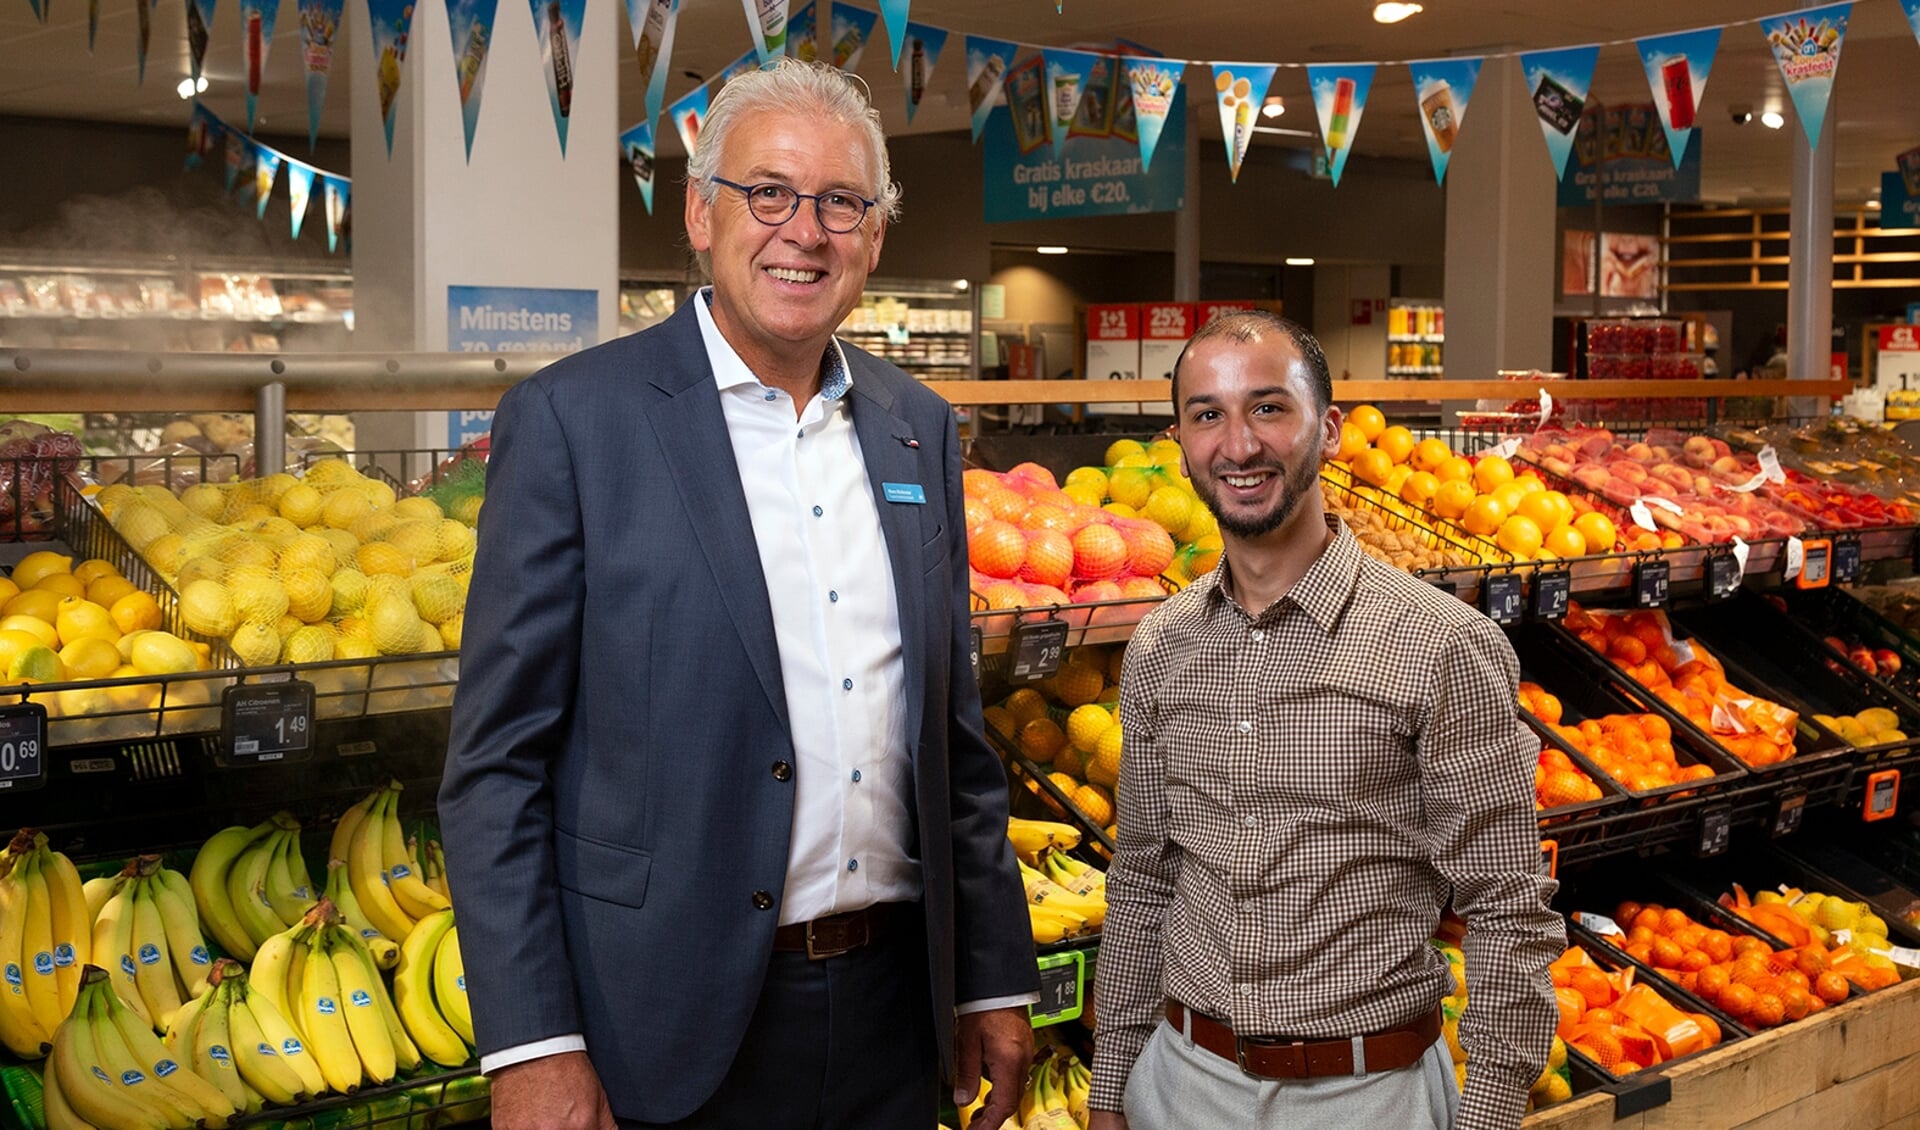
[278, 887]
[385, 950]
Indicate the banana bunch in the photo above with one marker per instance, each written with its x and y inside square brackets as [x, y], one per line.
[146, 934]
[435, 871]
[386, 878]
[234, 1037]
[108, 1070]
[1031, 837]
[1065, 901]
[321, 975]
[1049, 1101]
[46, 938]
[430, 987]
[251, 883]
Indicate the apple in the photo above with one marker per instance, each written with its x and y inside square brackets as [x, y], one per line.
[1863, 659]
[1888, 661]
[1834, 642]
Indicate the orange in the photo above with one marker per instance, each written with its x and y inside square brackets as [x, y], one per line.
[1457, 469]
[1718, 944]
[1420, 487]
[1713, 981]
[1397, 478]
[1736, 1000]
[1352, 441]
[1520, 536]
[1812, 961]
[1373, 466]
[1369, 420]
[1667, 953]
[1490, 472]
[1693, 961]
[1510, 496]
[1548, 708]
[1591, 984]
[1797, 1001]
[1550, 508]
[1429, 453]
[1529, 483]
[1397, 442]
[1626, 911]
[1768, 1010]
[1598, 530]
[1484, 516]
[1627, 651]
[1566, 542]
[1673, 918]
[1453, 498]
[1830, 987]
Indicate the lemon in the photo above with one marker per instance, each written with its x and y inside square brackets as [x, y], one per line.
[36, 665]
[1171, 507]
[1871, 923]
[1202, 524]
[467, 510]
[1121, 448]
[344, 508]
[355, 647]
[424, 509]
[380, 586]
[8, 590]
[377, 492]
[1093, 478]
[456, 540]
[162, 653]
[105, 591]
[246, 514]
[430, 640]
[93, 569]
[275, 531]
[1025, 705]
[344, 544]
[325, 472]
[1106, 751]
[257, 596]
[13, 641]
[1878, 718]
[274, 487]
[1838, 914]
[374, 525]
[1130, 486]
[378, 557]
[36, 566]
[286, 625]
[140, 523]
[39, 629]
[1085, 725]
[1122, 509]
[394, 625]
[205, 500]
[256, 644]
[438, 598]
[79, 618]
[349, 592]
[452, 629]
[65, 584]
[308, 645]
[90, 658]
[207, 607]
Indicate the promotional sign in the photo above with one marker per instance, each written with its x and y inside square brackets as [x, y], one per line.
[688, 115]
[206, 134]
[319, 22]
[923, 51]
[558, 24]
[987, 63]
[1027, 104]
[1066, 78]
[257, 18]
[1100, 101]
[1621, 155]
[1806, 46]
[1113, 349]
[1151, 85]
[1233, 88]
[1900, 197]
[733, 70]
[1896, 363]
[471, 23]
[1339, 98]
[1206, 312]
[1677, 68]
[767, 20]
[337, 195]
[389, 21]
[199, 19]
[266, 168]
[852, 27]
[1558, 81]
[803, 31]
[653, 22]
[1164, 330]
[299, 193]
[1442, 87]
[1093, 176]
[636, 146]
[508, 319]
[895, 13]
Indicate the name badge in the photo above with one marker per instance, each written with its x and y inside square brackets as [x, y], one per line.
[905, 492]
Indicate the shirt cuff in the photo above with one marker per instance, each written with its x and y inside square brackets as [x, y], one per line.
[1491, 1102]
[996, 1002]
[539, 1049]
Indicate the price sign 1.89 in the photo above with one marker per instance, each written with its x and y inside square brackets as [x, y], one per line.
[1063, 985]
[23, 746]
[267, 722]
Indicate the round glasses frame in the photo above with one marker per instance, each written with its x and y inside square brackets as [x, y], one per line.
[773, 204]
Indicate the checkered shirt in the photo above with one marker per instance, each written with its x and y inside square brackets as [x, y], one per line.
[1302, 793]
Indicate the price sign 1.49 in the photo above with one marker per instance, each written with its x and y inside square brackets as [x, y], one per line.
[267, 722]
[23, 746]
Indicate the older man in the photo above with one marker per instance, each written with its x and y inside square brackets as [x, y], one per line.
[730, 848]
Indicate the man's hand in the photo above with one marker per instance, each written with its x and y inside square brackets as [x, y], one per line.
[1001, 1039]
[555, 1092]
[1106, 1120]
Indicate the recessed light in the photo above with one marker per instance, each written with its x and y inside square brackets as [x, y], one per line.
[1051, 249]
[1391, 12]
[1273, 107]
[1302, 261]
[188, 87]
[1873, 205]
[1772, 119]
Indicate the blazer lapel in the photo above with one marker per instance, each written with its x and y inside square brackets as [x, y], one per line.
[889, 459]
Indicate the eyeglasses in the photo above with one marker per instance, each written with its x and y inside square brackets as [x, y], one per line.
[774, 204]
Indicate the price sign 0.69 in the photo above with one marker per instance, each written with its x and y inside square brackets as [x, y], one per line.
[23, 746]
[266, 722]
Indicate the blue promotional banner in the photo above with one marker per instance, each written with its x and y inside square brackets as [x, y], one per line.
[319, 23]
[1620, 157]
[653, 22]
[206, 135]
[1677, 68]
[767, 22]
[266, 169]
[199, 20]
[852, 28]
[688, 115]
[636, 148]
[895, 13]
[508, 319]
[471, 24]
[1339, 98]
[257, 18]
[1558, 82]
[1900, 197]
[558, 24]
[924, 44]
[988, 61]
[1239, 88]
[1442, 88]
[803, 30]
[1806, 46]
[1913, 15]
[389, 21]
[1152, 85]
[337, 197]
[299, 193]
[1065, 79]
[1093, 176]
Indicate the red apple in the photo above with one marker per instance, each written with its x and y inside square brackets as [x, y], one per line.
[1888, 661]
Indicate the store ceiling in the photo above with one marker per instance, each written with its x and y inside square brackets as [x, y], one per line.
[46, 71]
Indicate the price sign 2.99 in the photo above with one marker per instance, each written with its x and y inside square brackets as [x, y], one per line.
[266, 722]
[23, 746]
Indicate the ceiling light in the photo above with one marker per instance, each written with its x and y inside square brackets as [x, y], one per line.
[961, 284]
[1873, 205]
[1051, 249]
[1772, 119]
[1302, 261]
[188, 87]
[1390, 12]
[1274, 107]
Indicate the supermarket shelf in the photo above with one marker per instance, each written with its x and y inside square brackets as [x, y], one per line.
[1422, 339]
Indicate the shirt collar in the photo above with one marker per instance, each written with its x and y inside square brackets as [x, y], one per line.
[1321, 592]
[729, 371]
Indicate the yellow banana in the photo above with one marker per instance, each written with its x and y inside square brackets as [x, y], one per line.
[967, 1112]
[210, 1050]
[179, 1033]
[1079, 1087]
[36, 948]
[1082, 880]
[113, 948]
[413, 993]
[369, 884]
[1052, 924]
[258, 1058]
[246, 891]
[349, 820]
[416, 899]
[153, 967]
[173, 898]
[19, 1029]
[293, 1052]
[303, 889]
[437, 870]
[208, 878]
[323, 1018]
[359, 990]
[98, 891]
[406, 1055]
[287, 906]
[1042, 891]
[1029, 1098]
[60, 1115]
[1031, 837]
[272, 969]
[450, 985]
[384, 950]
[72, 924]
[164, 1067]
[97, 1098]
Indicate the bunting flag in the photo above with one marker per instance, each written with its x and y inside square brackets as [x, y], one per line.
[1559, 81]
[767, 20]
[1065, 80]
[266, 168]
[299, 193]
[987, 63]
[895, 13]
[389, 21]
[1234, 86]
[257, 17]
[239, 153]
[747, 62]
[205, 134]
[923, 51]
[1094, 116]
[471, 24]
[337, 195]
[688, 115]
[1339, 99]
[636, 148]
[557, 22]
[40, 9]
[1806, 46]
[803, 30]
[1027, 104]
[852, 27]
[319, 22]
[199, 20]
[1677, 68]
[653, 22]
[1442, 87]
[1913, 15]
[93, 30]
[1151, 85]
[144, 10]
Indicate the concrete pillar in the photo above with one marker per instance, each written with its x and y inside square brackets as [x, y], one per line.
[1810, 263]
[1186, 222]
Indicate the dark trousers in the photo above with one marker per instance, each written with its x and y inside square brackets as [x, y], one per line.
[844, 1043]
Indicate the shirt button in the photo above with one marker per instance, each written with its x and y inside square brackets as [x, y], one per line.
[856, 776]
[846, 684]
[1246, 990]
[853, 865]
[833, 596]
[817, 512]
[1252, 821]
[762, 900]
[772, 395]
[1244, 727]
[782, 771]
[1259, 635]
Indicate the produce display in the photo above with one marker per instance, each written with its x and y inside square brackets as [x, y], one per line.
[1068, 722]
[46, 937]
[1393, 538]
[107, 1069]
[1814, 921]
[1623, 1026]
[1555, 1084]
[32, 458]
[1065, 896]
[1055, 1097]
[61, 622]
[1557, 780]
[1843, 451]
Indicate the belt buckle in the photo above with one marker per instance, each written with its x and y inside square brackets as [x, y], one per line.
[816, 953]
[1298, 1058]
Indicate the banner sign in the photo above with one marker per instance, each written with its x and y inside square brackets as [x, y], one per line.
[987, 63]
[636, 148]
[1900, 196]
[1339, 98]
[299, 193]
[1677, 68]
[257, 18]
[1913, 15]
[747, 62]
[1558, 81]
[1093, 176]
[389, 21]
[894, 12]
[688, 115]
[1067, 76]
[923, 51]
[471, 24]
[1150, 85]
[337, 193]
[558, 24]
[767, 21]
[1621, 152]
[510, 319]
[803, 30]
[199, 19]
[653, 23]
[1234, 87]
[239, 159]
[319, 22]
[852, 27]
[205, 134]
[266, 169]
[1806, 46]
[1442, 88]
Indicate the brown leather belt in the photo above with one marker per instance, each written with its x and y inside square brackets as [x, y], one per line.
[830, 936]
[1310, 1059]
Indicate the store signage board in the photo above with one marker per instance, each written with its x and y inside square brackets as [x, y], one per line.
[1063, 988]
[513, 319]
[1098, 171]
[1723, 576]
[1622, 152]
[1846, 560]
[23, 747]
[1896, 357]
[973, 650]
[1716, 829]
[263, 723]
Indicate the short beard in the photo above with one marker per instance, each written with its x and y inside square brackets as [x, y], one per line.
[1297, 481]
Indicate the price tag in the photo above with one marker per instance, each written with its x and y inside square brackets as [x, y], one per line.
[1716, 829]
[1816, 564]
[23, 746]
[1546, 407]
[1846, 560]
[1770, 465]
[1883, 795]
[1506, 448]
[1037, 649]
[1642, 517]
[973, 650]
[1063, 988]
[1599, 923]
[1796, 556]
[1650, 578]
[1552, 593]
[1723, 576]
[1502, 596]
[1449, 587]
[1788, 808]
[1900, 955]
[264, 723]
